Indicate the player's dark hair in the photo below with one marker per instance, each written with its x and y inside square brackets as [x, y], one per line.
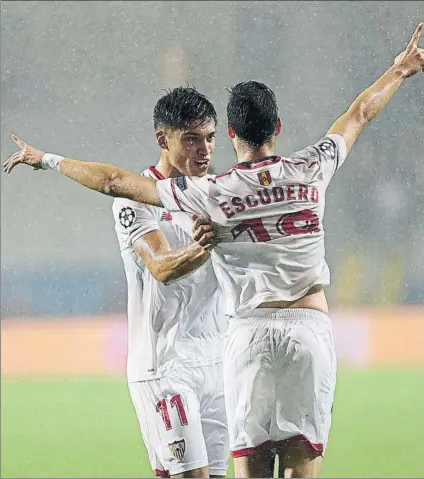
[182, 108]
[252, 112]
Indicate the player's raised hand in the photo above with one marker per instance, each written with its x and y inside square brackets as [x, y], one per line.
[204, 232]
[412, 59]
[26, 156]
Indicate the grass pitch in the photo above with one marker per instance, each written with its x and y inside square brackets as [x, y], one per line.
[75, 428]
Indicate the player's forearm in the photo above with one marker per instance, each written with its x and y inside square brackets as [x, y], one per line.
[111, 180]
[370, 102]
[172, 265]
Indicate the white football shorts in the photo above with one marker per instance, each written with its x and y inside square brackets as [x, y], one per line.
[183, 421]
[279, 378]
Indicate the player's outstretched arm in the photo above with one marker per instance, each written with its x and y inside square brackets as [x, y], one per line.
[373, 99]
[107, 179]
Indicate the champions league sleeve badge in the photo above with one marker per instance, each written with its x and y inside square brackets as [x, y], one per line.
[126, 216]
[328, 147]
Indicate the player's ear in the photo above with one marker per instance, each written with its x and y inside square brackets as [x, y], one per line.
[278, 128]
[161, 140]
[230, 131]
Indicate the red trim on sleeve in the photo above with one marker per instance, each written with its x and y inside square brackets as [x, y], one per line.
[175, 194]
[300, 162]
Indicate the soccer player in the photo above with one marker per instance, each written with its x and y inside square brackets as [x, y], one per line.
[279, 360]
[176, 328]
[176, 324]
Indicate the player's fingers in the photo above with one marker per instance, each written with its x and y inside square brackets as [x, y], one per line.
[416, 36]
[199, 232]
[10, 163]
[202, 221]
[6, 162]
[198, 222]
[12, 157]
[11, 166]
[18, 141]
[206, 238]
[8, 167]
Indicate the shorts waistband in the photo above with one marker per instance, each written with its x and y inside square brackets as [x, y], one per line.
[285, 314]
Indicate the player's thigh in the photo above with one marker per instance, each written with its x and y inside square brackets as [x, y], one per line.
[298, 459]
[170, 414]
[259, 464]
[195, 473]
[306, 365]
[214, 418]
[249, 384]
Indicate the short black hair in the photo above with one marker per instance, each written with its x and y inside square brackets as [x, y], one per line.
[182, 108]
[252, 112]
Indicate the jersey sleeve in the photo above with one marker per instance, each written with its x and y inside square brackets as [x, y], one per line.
[133, 220]
[185, 194]
[330, 152]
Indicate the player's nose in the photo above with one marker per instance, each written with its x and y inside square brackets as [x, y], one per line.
[204, 148]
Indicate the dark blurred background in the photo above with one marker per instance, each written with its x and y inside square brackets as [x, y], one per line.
[81, 79]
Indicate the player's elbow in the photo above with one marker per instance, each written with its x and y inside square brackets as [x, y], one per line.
[360, 114]
[365, 111]
[169, 276]
[163, 275]
[111, 184]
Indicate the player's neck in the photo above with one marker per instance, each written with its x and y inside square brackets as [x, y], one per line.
[166, 169]
[248, 154]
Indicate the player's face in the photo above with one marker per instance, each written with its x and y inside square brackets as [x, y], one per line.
[190, 150]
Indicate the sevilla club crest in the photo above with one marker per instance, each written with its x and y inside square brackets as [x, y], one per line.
[178, 449]
[265, 178]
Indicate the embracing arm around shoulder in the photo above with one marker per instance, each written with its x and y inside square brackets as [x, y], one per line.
[165, 264]
[111, 180]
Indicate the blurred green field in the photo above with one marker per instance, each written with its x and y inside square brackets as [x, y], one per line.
[87, 428]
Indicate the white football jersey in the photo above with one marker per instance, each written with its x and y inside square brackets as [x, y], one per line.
[178, 324]
[269, 214]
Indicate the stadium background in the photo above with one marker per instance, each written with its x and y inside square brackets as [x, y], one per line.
[81, 78]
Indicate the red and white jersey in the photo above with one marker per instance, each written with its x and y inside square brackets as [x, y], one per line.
[173, 325]
[269, 214]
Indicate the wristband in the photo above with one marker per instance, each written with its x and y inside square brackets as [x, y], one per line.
[51, 161]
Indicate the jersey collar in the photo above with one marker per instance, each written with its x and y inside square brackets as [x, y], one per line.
[157, 173]
[265, 161]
